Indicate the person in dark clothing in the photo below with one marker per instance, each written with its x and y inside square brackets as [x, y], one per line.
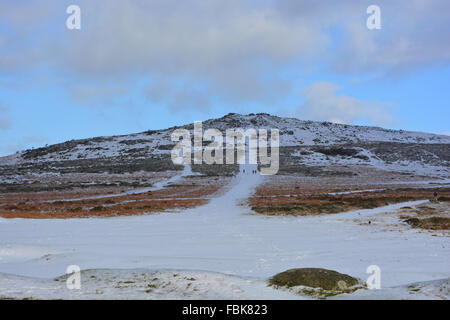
[435, 194]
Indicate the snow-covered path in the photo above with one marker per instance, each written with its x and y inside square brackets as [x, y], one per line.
[223, 237]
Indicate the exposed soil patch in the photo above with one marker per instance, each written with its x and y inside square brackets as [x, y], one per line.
[434, 223]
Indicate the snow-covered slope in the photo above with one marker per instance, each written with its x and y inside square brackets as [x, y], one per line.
[293, 132]
[188, 284]
[301, 142]
[219, 237]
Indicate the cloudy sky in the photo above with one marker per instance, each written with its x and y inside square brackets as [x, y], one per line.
[137, 65]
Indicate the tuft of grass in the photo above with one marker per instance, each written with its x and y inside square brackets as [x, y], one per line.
[128, 281]
[97, 208]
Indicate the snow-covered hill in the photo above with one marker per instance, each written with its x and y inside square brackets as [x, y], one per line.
[293, 132]
[304, 142]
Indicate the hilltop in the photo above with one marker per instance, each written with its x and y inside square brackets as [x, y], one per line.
[303, 143]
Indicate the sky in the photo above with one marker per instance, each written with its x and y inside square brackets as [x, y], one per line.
[138, 65]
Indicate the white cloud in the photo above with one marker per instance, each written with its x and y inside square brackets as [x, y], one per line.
[230, 48]
[323, 102]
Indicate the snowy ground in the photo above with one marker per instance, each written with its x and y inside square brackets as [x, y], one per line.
[188, 284]
[224, 240]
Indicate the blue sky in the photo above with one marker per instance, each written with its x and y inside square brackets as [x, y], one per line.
[136, 66]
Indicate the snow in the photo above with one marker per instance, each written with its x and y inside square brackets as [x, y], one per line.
[140, 284]
[417, 167]
[436, 289]
[220, 238]
[188, 284]
[293, 132]
[354, 191]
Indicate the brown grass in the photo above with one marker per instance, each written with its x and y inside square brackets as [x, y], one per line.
[190, 193]
[297, 200]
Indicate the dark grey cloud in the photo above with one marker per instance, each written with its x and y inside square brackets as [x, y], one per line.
[180, 97]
